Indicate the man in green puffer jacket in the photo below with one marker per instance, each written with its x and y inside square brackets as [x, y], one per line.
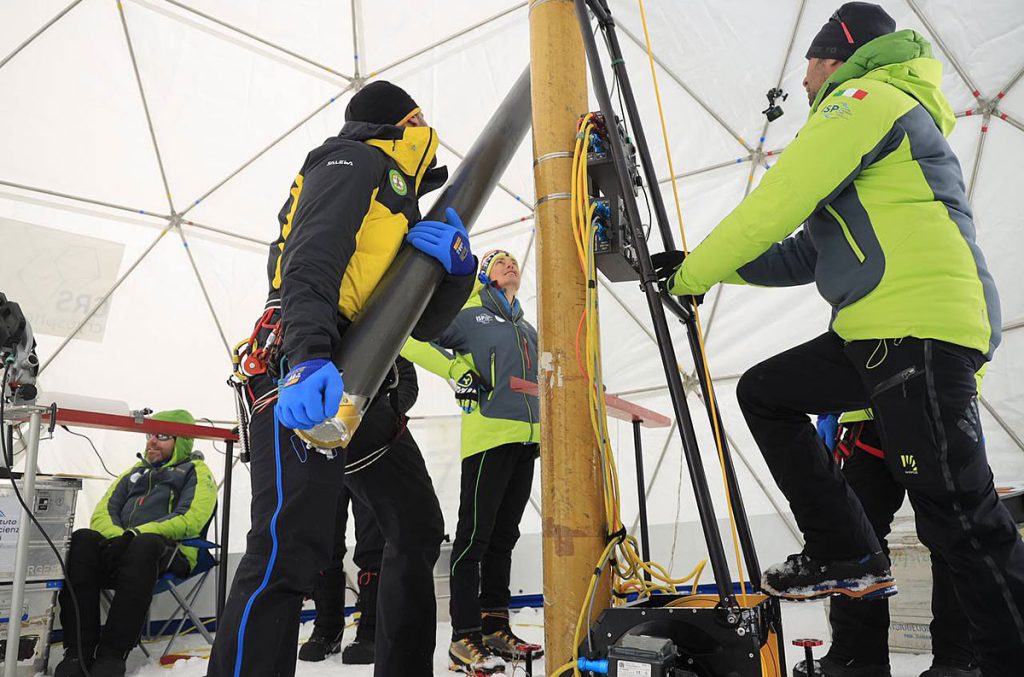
[167, 497]
[492, 342]
[889, 241]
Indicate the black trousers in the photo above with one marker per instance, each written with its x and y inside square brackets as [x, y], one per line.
[860, 628]
[924, 396]
[295, 496]
[495, 490]
[130, 572]
[329, 591]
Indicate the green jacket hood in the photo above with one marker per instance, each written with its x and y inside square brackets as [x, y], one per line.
[182, 445]
[904, 60]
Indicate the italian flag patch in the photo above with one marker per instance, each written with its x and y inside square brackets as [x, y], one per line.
[852, 93]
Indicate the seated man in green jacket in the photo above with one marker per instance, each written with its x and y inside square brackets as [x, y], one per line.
[167, 497]
[492, 342]
[889, 241]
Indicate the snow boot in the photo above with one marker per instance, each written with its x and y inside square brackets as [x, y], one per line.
[320, 645]
[70, 666]
[802, 578]
[828, 667]
[329, 599]
[107, 665]
[362, 650]
[942, 668]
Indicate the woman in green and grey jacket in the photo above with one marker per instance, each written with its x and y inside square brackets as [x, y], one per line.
[492, 343]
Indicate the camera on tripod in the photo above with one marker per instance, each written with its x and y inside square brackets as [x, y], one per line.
[774, 110]
[17, 354]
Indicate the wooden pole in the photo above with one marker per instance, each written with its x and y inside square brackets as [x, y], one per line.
[573, 504]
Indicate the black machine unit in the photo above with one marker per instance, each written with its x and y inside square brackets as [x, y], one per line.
[636, 655]
[689, 636]
[614, 251]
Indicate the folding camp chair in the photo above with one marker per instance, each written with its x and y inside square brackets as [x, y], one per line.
[185, 599]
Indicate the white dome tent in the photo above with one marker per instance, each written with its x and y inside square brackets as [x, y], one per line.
[148, 145]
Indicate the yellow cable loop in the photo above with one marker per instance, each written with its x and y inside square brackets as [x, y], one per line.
[696, 314]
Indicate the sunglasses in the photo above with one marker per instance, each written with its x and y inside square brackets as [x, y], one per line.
[160, 438]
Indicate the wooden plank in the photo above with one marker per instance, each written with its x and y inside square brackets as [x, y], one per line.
[618, 408]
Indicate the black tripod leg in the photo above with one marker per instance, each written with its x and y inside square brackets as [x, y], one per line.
[648, 280]
[645, 536]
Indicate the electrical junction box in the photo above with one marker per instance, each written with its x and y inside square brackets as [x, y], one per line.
[642, 656]
[614, 251]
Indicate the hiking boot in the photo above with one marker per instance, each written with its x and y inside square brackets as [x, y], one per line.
[506, 644]
[71, 666]
[801, 578]
[471, 656]
[320, 645]
[359, 652]
[942, 668]
[828, 667]
[107, 666]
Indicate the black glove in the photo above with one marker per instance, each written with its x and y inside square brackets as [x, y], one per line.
[666, 263]
[115, 547]
[468, 389]
[665, 266]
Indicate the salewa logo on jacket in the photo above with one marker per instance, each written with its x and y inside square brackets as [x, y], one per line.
[347, 163]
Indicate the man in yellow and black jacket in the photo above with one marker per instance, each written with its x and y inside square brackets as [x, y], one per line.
[350, 209]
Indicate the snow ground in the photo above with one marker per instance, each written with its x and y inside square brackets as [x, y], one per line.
[799, 620]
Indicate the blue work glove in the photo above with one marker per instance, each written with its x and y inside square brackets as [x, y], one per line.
[828, 430]
[468, 390]
[309, 394]
[446, 242]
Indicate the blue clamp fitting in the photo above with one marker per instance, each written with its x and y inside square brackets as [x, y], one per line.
[599, 666]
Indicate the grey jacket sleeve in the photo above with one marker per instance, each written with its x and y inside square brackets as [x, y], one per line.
[786, 264]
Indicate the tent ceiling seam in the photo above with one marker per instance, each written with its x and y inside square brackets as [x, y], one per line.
[961, 71]
[709, 168]
[81, 209]
[686, 88]
[711, 315]
[356, 40]
[977, 157]
[262, 152]
[504, 224]
[1013, 325]
[226, 233]
[103, 299]
[453, 36]
[42, 29]
[251, 36]
[1009, 85]
[503, 186]
[202, 286]
[1002, 424]
[86, 200]
[145, 104]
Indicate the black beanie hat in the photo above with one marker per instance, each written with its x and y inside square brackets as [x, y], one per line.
[381, 103]
[851, 26]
